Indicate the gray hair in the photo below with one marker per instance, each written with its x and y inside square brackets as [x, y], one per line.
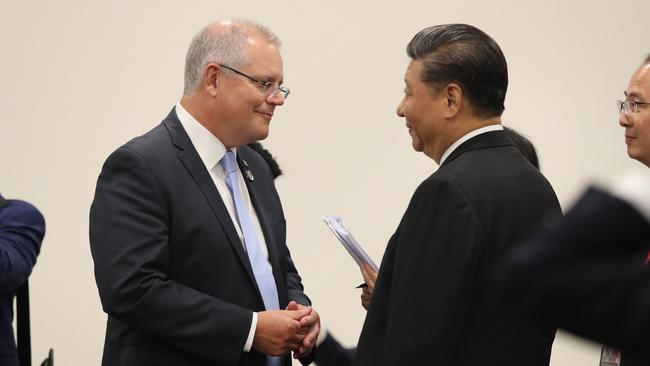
[223, 47]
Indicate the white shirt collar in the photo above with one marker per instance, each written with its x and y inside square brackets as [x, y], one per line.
[210, 149]
[468, 136]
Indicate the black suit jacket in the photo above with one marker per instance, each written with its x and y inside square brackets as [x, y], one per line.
[433, 302]
[332, 353]
[172, 274]
[587, 275]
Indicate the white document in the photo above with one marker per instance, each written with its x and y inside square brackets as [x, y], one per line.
[349, 243]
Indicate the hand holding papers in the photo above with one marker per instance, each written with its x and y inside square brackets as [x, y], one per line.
[345, 237]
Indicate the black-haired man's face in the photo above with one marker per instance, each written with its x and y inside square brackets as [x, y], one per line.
[424, 114]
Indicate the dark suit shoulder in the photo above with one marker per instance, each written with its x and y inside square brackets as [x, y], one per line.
[499, 169]
[150, 143]
[439, 187]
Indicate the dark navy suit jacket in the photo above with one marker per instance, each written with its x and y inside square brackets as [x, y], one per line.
[332, 353]
[22, 228]
[172, 274]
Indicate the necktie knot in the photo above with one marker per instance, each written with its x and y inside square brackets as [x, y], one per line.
[228, 162]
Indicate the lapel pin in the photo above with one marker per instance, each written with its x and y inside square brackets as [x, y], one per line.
[249, 175]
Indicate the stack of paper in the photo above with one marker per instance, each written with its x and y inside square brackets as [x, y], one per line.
[345, 237]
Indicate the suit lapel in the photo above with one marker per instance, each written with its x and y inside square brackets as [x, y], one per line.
[195, 167]
[263, 216]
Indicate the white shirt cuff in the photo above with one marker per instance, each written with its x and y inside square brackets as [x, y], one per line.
[251, 334]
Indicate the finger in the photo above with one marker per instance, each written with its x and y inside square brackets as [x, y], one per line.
[373, 279]
[365, 297]
[305, 311]
[303, 331]
[292, 306]
[364, 272]
[299, 353]
[309, 320]
[370, 276]
[300, 313]
[296, 339]
[369, 280]
[312, 336]
[304, 351]
[294, 344]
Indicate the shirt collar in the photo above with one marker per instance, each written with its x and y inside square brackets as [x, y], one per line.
[467, 136]
[210, 149]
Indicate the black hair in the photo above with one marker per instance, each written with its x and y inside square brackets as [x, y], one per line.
[273, 164]
[463, 54]
[524, 145]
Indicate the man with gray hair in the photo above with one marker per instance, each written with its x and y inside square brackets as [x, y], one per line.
[433, 302]
[187, 231]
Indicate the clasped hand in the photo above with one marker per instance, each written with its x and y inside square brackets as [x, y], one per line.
[280, 331]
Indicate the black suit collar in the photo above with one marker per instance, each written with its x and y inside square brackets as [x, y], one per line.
[482, 141]
[179, 137]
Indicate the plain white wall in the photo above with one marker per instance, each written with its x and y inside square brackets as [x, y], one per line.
[78, 78]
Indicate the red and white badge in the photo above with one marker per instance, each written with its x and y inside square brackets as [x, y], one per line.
[610, 356]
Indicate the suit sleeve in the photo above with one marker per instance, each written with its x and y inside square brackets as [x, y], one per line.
[22, 228]
[333, 353]
[129, 230]
[295, 292]
[439, 243]
[587, 274]
[295, 288]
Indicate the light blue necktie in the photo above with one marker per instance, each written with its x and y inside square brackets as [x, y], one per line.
[261, 266]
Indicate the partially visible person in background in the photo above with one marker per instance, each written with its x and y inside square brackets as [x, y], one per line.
[268, 158]
[524, 145]
[589, 274]
[22, 228]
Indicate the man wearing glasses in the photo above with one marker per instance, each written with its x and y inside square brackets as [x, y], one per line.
[186, 229]
[590, 274]
[635, 114]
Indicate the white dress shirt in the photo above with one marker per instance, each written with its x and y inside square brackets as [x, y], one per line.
[468, 136]
[211, 150]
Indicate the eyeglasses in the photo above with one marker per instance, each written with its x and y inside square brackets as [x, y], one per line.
[266, 87]
[629, 106]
